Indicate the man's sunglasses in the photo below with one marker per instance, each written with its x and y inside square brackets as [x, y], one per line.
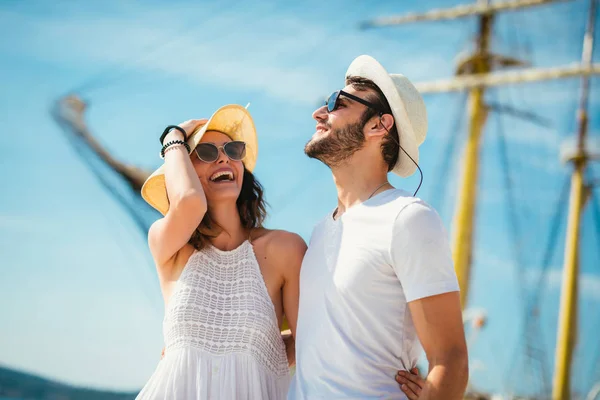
[209, 152]
[333, 101]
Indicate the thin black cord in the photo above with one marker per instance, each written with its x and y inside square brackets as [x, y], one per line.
[421, 172]
[411, 159]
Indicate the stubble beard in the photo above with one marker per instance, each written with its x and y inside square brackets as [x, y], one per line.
[339, 145]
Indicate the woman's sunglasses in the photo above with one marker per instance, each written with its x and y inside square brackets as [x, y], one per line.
[333, 102]
[209, 152]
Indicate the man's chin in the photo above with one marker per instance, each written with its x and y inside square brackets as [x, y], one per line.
[312, 149]
[317, 155]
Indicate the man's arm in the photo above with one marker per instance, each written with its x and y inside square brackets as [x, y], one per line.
[438, 322]
[422, 260]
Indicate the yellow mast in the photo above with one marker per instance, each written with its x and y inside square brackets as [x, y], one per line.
[567, 323]
[462, 244]
[475, 76]
[568, 303]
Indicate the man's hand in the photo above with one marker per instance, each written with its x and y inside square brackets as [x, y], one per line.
[411, 383]
[290, 347]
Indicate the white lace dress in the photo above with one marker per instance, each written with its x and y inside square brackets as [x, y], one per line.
[221, 334]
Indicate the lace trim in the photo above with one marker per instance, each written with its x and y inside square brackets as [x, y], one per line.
[221, 349]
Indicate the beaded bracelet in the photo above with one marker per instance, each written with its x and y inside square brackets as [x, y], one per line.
[168, 149]
[169, 129]
[172, 143]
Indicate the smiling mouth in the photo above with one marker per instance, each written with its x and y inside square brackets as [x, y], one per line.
[222, 176]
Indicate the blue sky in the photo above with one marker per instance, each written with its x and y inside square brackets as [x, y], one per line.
[80, 303]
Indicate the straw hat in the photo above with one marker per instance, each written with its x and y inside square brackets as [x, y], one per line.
[407, 107]
[234, 121]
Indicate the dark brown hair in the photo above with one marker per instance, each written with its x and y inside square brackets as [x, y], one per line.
[391, 143]
[251, 206]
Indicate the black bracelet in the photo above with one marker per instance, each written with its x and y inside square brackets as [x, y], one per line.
[172, 143]
[169, 129]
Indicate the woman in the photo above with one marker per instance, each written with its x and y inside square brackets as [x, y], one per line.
[225, 280]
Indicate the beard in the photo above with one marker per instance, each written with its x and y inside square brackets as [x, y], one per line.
[335, 148]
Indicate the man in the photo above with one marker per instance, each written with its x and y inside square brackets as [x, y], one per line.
[377, 281]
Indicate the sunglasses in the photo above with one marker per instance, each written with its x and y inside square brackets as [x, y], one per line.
[333, 102]
[209, 152]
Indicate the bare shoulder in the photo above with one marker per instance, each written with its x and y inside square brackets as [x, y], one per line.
[285, 248]
[283, 242]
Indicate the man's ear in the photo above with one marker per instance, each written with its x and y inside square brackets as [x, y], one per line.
[379, 125]
[386, 121]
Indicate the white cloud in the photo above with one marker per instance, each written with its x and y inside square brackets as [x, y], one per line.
[546, 138]
[278, 54]
[589, 285]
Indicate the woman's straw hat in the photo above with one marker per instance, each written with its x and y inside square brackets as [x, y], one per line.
[234, 121]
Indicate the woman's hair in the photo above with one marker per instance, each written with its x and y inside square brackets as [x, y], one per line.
[251, 206]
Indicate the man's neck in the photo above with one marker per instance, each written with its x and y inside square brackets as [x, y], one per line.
[356, 181]
[226, 215]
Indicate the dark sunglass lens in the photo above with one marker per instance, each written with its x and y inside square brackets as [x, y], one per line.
[207, 152]
[332, 101]
[235, 150]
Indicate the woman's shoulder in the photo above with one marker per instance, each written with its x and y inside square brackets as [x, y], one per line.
[280, 245]
[278, 239]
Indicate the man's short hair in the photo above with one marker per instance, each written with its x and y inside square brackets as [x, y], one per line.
[390, 145]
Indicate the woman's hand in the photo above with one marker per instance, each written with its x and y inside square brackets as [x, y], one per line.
[411, 383]
[188, 126]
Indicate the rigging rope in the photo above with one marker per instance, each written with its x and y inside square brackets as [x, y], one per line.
[595, 205]
[449, 153]
[517, 250]
[80, 149]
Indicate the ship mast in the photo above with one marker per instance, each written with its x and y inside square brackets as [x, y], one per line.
[580, 191]
[475, 74]
[69, 112]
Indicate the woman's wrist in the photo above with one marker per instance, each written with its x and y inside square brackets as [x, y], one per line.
[169, 129]
[173, 135]
[171, 144]
[173, 147]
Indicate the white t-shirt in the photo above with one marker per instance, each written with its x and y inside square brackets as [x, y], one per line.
[354, 328]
